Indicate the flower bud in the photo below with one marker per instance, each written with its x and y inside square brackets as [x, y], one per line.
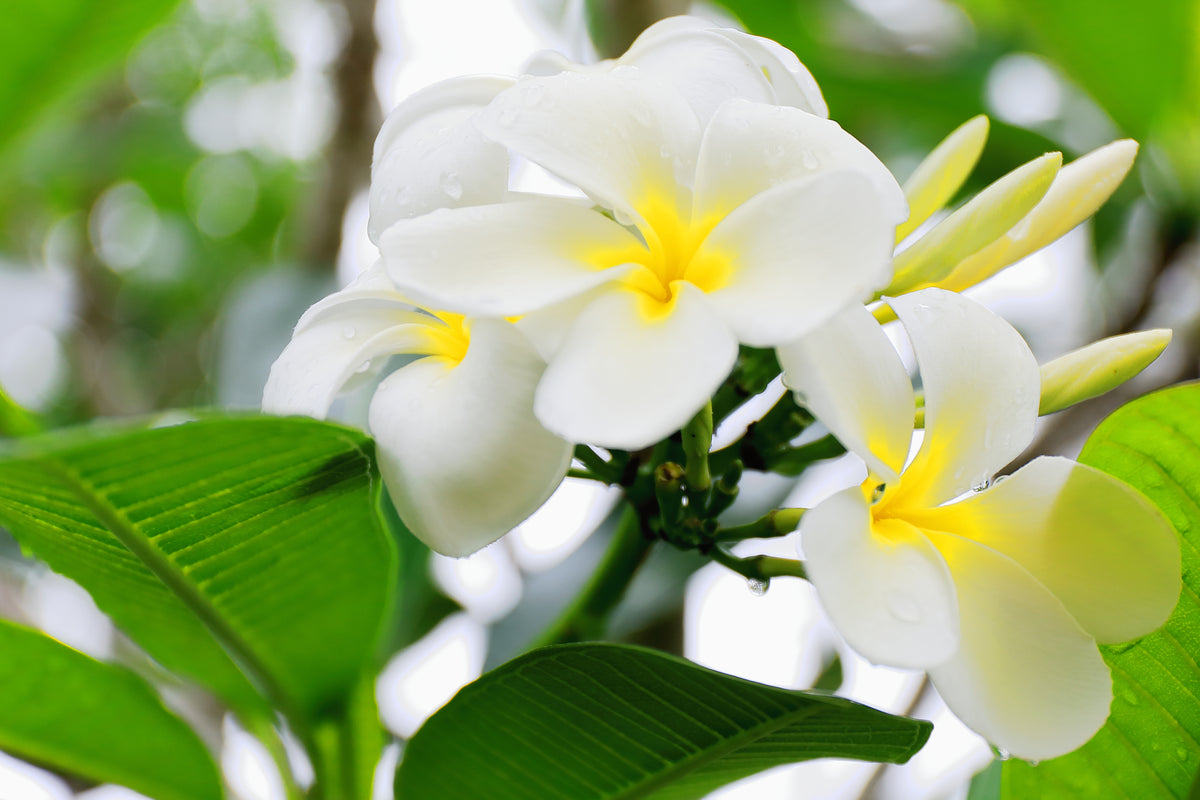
[1098, 367]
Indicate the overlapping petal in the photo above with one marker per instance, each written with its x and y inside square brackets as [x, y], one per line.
[891, 596]
[614, 135]
[632, 371]
[749, 147]
[848, 374]
[797, 254]
[429, 154]
[506, 259]
[1025, 675]
[981, 394]
[460, 451]
[1079, 532]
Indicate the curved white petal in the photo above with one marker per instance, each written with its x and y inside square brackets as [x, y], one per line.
[625, 379]
[848, 374]
[336, 340]
[1025, 676]
[1104, 550]
[982, 389]
[429, 154]
[702, 65]
[505, 259]
[891, 598]
[749, 147]
[620, 136]
[793, 83]
[797, 254]
[461, 453]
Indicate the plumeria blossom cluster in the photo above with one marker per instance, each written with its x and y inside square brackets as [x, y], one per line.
[711, 209]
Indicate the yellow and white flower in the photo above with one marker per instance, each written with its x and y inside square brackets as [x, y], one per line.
[460, 451]
[754, 226]
[1000, 591]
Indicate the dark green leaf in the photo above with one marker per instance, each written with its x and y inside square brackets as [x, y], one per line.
[606, 721]
[97, 721]
[50, 48]
[260, 530]
[1150, 747]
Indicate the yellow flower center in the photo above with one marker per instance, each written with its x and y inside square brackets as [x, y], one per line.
[447, 338]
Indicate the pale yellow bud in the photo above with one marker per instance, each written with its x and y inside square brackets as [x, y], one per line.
[984, 219]
[1098, 367]
[942, 173]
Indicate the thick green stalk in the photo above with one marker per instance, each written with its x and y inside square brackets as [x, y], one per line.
[587, 617]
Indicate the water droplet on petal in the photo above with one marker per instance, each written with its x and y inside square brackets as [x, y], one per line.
[757, 587]
[904, 608]
[348, 332]
[1033, 762]
[451, 185]
[642, 118]
[809, 160]
[363, 367]
[532, 95]
[1003, 754]
[508, 116]
[983, 484]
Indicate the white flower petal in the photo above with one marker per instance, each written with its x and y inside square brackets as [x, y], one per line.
[793, 83]
[336, 340]
[749, 147]
[702, 65]
[851, 378]
[982, 389]
[1098, 545]
[505, 259]
[891, 598]
[625, 379]
[796, 254]
[460, 451]
[429, 154]
[1025, 676]
[620, 136]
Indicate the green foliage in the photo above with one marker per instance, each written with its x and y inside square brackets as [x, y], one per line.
[49, 50]
[257, 534]
[607, 721]
[97, 721]
[1150, 747]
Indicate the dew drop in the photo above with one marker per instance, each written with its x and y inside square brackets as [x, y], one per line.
[348, 332]
[508, 116]
[904, 608]
[363, 367]
[1181, 754]
[451, 185]
[1033, 762]
[664, 151]
[809, 160]
[642, 118]
[532, 95]
[1003, 754]
[983, 484]
[757, 587]
[877, 494]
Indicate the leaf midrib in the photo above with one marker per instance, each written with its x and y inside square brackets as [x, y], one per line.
[175, 580]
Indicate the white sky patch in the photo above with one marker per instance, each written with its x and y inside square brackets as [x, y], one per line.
[485, 583]
[556, 529]
[424, 677]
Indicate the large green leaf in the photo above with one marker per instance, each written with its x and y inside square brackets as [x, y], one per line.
[592, 721]
[97, 721]
[259, 531]
[49, 49]
[1150, 747]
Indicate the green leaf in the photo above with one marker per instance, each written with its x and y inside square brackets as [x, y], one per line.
[257, 533]
[1136, 59]
[50, 49]
[96, 721]
[1150, 747]
[592, 721]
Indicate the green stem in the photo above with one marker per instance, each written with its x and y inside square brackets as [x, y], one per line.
[777, 522]
[587, 617]
[345, 748]
[599, 469]
[760, 568]
[261, 728]
[697, 439]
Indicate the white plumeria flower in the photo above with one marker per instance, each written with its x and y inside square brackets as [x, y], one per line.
[1001, 593]
[460, 451]
[754, 228]
[708, 65]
